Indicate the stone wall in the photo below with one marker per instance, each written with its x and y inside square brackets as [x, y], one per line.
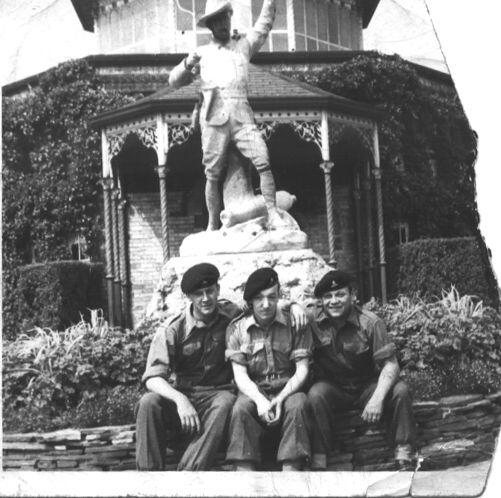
[452, 431]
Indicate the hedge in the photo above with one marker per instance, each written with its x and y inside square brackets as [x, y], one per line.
[57, 294]
[427, 266]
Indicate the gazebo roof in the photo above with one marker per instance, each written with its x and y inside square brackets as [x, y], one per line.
[267, 91]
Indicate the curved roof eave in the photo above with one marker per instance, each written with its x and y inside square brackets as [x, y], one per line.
[320, 103]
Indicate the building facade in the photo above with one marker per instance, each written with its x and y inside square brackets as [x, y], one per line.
[169, 26]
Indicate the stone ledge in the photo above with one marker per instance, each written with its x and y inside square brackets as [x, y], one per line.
[453, 431]
[469, 481]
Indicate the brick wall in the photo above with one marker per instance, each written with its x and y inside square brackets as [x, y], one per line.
[145, 248]
[145, 242]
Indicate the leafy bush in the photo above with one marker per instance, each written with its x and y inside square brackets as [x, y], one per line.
[434, 333]
[109, 406]
[57, 294]
[52, 373]
[430, 265]
[457, 377]
[51, 172]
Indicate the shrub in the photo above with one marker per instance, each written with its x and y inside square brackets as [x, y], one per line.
[57, 294]
[457, 377]
[109, 406]
[52, 372]
[452, 335]
[429, 265]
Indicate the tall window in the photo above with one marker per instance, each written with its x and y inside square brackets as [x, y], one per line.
[325, 25]
[278, 39]
[400, 232]
[189, 34]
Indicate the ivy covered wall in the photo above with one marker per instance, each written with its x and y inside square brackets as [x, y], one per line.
[426, 145]
[51, 172]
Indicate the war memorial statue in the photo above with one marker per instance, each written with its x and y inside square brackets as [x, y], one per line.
[230, 137]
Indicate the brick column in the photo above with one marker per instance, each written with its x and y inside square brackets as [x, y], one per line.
[161, 169]
[117, 291]
[106, 183]
[329, 205]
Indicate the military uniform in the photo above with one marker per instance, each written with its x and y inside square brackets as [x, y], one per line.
[226, 114]
[346, 366]
[190, 355]
[270, 356]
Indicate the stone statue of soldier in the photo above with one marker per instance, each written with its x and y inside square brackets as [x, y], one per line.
[225, 116]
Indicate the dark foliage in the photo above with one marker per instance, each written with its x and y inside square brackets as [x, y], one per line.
[51, 172]
[423, 123]
[50, 374]
[427, 266]
[58, 294]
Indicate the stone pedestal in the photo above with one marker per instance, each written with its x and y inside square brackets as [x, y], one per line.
[298, 270]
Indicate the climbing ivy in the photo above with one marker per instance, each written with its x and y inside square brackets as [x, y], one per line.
[51, 171]
[422, 122]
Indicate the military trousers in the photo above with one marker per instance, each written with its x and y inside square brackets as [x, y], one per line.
[157, 416]
[246, 429]
[326, 399]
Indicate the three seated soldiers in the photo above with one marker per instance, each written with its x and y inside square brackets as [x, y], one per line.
[289, 376]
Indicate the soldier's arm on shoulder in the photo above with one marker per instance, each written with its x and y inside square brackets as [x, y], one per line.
[303, 343]
[231, 309]
[256, 37]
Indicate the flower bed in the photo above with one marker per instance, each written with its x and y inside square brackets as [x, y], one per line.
[455, 430]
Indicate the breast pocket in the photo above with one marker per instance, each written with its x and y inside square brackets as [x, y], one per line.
[359, 355]
[191, 348]
[257, 358]
[215, 352]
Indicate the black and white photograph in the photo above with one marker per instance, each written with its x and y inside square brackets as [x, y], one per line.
[250, 248]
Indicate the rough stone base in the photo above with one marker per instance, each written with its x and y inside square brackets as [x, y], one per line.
[251, 236]
[298, 271]
[452, 431]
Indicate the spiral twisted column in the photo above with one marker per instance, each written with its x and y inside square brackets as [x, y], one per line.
[380, 229]
[366, 185]
[358, 229]
[124, 267]
[326, 167]
[162, 173]
[106, 184]
[116, 258]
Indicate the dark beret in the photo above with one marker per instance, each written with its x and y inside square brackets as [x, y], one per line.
[331, 281]
[261, 279]
[199, 276]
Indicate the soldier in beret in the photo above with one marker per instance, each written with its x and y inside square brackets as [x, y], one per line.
[189, 382]
[270, 364]
[355, 366]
